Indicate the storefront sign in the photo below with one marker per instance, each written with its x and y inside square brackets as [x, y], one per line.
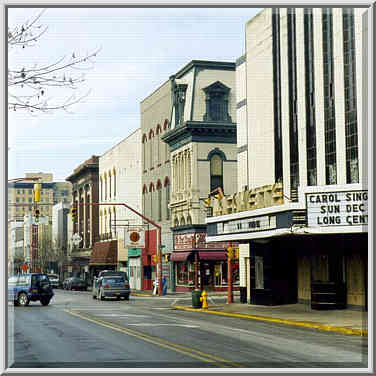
[247, 225]
[337, 208]
[134, 237]
[195, 241]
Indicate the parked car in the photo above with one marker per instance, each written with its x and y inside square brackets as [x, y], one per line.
[54, 280]
[24, 288]
[75, 283]
[115, 286]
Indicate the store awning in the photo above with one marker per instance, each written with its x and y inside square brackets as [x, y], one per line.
[179, 256]
[212, 255]
[104, 253]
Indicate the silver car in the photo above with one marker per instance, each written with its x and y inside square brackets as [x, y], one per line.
[54, 280]
[113, 286]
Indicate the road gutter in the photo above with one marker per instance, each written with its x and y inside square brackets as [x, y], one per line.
[312, 325]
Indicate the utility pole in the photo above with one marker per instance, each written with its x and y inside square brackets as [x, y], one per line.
[230, 255]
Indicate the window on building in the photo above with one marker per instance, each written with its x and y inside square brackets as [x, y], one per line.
[114, 173]
[294, 141]
[278, 168]
[179, 102]
[159, 189]
[216, 172]
[167, 185]
[216, 100]
[310, 97]
[109, 182]
[101, 188]
[105, 187]
[329, 103]
[351, 123]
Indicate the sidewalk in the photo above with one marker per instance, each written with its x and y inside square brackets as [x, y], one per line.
[343, 321]
[340, 321]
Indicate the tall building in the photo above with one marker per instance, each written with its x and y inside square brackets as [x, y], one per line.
[156, 170]
[120, 182]
[20, 195]
[203, 155]
[300, 214]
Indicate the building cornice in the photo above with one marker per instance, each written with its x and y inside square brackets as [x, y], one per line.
[202, 132]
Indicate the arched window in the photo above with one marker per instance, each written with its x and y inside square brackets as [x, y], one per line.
[144, 192]
[101, 188]
[105, 186]
[182, 221]
[114, 224]
[167, 187]
[151, 136]
[176, 222]
[114, 173]
[216, 172]
[159, 190]
[151, 190]
[189, 220]
[144, 140]
[109, 182]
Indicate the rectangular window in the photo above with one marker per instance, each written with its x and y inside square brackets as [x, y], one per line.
[294, 154]
[351, 124]
[310, 98]
[277, 96]
[329, 106]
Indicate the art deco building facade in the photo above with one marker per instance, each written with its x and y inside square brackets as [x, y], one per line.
[301, 213]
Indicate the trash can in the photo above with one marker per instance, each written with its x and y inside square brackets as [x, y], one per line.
[243, 295]
[196, 295]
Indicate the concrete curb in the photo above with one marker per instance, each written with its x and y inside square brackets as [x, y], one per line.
[312, 325]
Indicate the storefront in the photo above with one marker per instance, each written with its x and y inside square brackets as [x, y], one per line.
[314, 251]
[202, 265]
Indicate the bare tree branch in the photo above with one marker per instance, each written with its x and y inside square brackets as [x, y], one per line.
[28, 86]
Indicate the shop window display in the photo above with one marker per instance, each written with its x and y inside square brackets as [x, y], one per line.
[185, 273]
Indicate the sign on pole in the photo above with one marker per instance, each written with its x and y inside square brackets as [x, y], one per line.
[134, 237]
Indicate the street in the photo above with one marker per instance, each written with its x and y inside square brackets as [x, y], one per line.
[75, 331]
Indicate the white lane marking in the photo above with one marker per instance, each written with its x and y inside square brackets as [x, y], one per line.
[156, 324]
[161, 308]
[120, 315]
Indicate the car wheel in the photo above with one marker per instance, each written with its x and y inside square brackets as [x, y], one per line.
[45, 301]
[126, 297]
[15, 302]
[22, 300]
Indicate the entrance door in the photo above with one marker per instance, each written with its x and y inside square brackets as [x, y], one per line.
[135, 273]
[207, 276]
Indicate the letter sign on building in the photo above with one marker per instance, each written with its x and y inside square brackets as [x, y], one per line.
[337, 209]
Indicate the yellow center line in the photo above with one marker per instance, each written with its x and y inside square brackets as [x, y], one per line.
[160, 342]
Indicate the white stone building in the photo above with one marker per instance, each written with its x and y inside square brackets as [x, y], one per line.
[120, 182]
[301, 212]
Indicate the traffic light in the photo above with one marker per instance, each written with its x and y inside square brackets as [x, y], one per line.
[237, 253]
[36, 215]
[166, 257]
[37, 188]
[74, 214]
[230, 253]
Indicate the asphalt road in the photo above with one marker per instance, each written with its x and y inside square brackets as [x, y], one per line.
[76, 331]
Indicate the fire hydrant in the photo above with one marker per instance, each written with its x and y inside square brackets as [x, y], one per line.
[204, 299]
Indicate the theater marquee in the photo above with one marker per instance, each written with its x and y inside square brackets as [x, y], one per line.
[348, 208]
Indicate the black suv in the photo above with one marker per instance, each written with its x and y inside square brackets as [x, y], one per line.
[24, 288]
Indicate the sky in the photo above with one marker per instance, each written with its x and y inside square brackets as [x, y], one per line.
[140, 48]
